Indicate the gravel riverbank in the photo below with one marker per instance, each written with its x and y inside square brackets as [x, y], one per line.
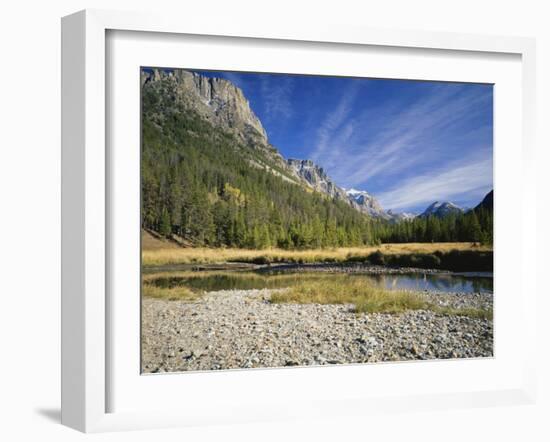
[242, 329]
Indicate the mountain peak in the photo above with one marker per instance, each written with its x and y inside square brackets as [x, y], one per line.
[315, 177]
[400, 216]
[441, 209]
[355, 192]
[222, 104]
[366, 203]
[216, 99]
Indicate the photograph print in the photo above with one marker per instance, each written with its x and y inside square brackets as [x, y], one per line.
[300, 220]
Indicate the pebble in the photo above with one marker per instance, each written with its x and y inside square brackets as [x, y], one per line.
[239, 329]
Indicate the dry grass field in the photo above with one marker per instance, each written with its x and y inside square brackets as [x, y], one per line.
[157, 252]
[367, 298]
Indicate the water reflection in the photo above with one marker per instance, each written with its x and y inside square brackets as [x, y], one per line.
[441, 282]
[436, 282]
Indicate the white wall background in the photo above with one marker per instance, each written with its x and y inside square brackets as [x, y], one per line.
[30, 215]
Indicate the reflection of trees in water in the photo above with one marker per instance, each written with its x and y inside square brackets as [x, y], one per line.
[417, 281]
[434, 282]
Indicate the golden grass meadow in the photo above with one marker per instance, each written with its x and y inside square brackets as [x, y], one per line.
[173, 255]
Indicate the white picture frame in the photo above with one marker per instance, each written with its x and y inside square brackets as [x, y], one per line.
[86, 204]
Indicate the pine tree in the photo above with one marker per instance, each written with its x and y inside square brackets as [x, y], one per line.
[165, 226]
[200, 183]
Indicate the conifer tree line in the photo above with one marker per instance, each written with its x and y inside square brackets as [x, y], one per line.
[205, 186]
[473, 226]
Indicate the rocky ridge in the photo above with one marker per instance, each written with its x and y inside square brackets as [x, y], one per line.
[368, 204]
[220, 102]
[316, 178]
[217, 101]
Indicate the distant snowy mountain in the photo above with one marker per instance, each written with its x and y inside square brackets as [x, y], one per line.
[370, 205]
[442, 209]
[400, 216]
[317, 179]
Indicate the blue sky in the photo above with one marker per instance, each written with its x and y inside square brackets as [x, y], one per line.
[408, 143]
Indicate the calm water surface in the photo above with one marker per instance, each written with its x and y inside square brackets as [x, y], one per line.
[442, 282]
[480, 283]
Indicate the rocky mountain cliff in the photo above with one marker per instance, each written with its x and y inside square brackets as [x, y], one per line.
[218, 101]
[224, 105]
[316, 178]
[368, 204]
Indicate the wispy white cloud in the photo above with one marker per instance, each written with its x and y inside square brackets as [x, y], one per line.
[412, 134]
[408, 150]
[276, 97]
[331, 134]
[458, 181]
[391, 141]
